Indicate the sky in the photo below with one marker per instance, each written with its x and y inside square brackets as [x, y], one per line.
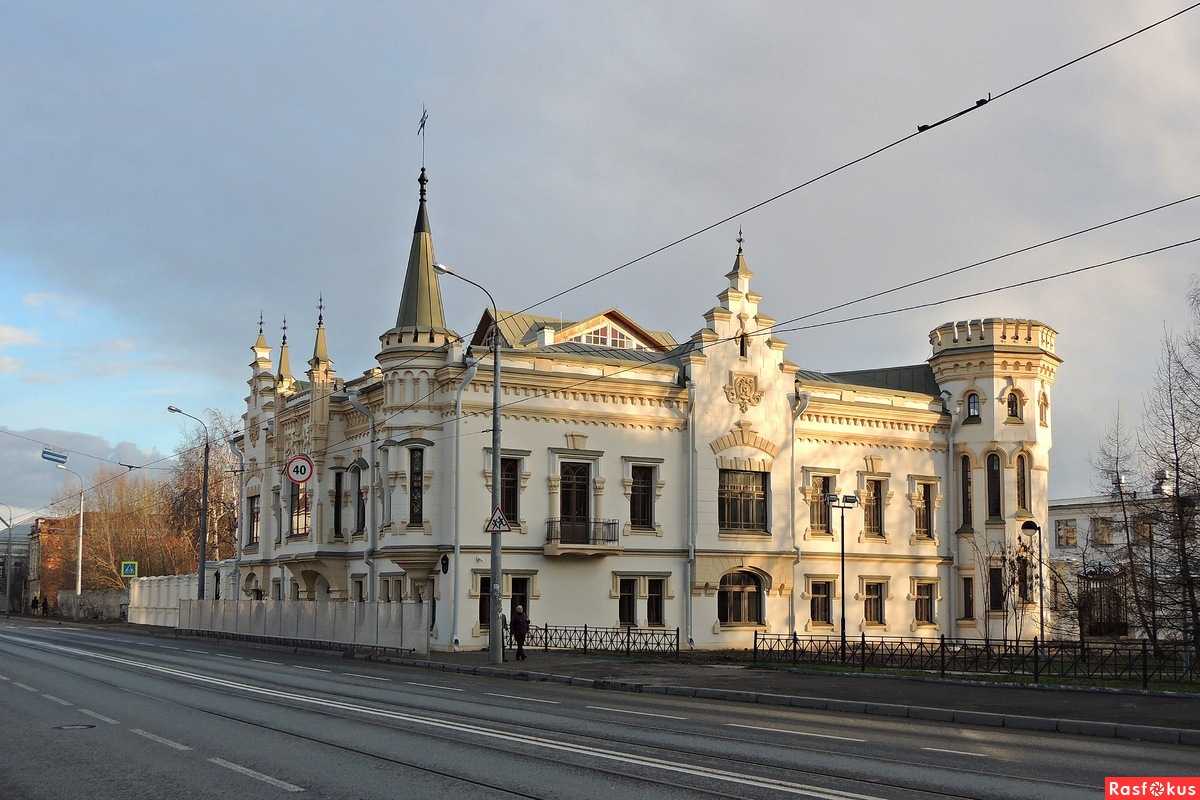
[169, 170]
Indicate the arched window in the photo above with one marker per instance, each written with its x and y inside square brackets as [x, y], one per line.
[1022, 484]
[743, 345]
[964, 488]
[739, 600]
[973, 407]
[995, 509]
[360, 499]
[1014, 405]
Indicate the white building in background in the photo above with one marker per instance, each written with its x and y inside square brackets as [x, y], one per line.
[650, 482]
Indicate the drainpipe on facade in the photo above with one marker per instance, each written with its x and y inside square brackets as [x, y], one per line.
[951, 536]
[468, 376]
[691, 512]
[798, 408]
[241, 519]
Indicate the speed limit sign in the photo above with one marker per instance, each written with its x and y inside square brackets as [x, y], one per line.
[299, 468]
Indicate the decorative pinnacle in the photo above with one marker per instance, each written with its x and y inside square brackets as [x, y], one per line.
[320, 310]
[260, 323]
[740, 239]
[284, 326]
[422, 180]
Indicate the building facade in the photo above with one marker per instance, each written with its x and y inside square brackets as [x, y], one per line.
[648, 481]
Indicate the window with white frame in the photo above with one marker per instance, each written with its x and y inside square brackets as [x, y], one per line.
[818, 505]
[923, 602]
[820, 602]
[874, 595]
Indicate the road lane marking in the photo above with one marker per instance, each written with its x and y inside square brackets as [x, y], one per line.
[311, 669]
[956, 752]
[278, 784]
[433, 686]
[526, 699]
[639, 713]
[3, 677]
[223, 655]
[795, 733]
[264, 661]
[169, 647]
[100, 717]
[155, 738]
[368, 677]
[58, 700]
[509, 736]
[200, 652]
[24, 686]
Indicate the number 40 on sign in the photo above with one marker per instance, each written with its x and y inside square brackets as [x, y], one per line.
[299, 468]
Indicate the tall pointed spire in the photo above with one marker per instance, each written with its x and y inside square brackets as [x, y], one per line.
[285, 361]
[320, 349]
[741, 269]
[421, 303]
[260, 348]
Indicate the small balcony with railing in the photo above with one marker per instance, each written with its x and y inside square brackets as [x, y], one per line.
[582, 537]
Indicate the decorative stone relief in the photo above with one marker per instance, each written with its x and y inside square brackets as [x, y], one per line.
[742, 390]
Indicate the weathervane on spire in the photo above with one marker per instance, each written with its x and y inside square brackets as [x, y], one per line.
[284, 326]
[320, 309]
[260, 323]
[421, 132]
[740, 239]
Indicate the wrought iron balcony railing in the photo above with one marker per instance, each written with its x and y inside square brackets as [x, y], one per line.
[583, 531]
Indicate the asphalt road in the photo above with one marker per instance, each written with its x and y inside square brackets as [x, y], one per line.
[86, 713]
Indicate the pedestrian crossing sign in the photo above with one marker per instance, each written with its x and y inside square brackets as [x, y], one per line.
[497, 524]
[129, 569]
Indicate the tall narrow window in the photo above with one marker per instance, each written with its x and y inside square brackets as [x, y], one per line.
[873, 508]
[820, 604]
[641, 498]
[924, 603]
[742, 500]
[574, 502]
[1022, 484]
[739, 599]
[1044, 410]
[968, 597]
[655, 601]
[995, 509]
[818, 506]
[360, 500]
[339, 479]
[1023, 578]
[925, 511]
[416, 487]
[743, 345]
[1014, 406]
[253, 518]
[510, 489]
[485, 602]
[964, 488]
[627, 604]
[972, 407]
[873, 595]
[300, 511]
[996, 592]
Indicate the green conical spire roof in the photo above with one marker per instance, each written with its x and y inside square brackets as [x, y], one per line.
[421, 302]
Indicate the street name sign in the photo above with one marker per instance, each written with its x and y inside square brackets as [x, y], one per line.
[299, 468]
[497, 524]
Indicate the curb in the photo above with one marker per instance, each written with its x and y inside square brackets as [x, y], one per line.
[1077, 727]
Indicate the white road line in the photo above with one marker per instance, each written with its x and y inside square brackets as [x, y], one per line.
[795, 733]
[481, 731]
[154, 738]
[200, 652]
[24, 686]
[3, 677]
[58, 700]
[368, 677]
[955, 752]
[264, 661]
[169, 647]
[223, 655]
[311, 669]
[432, 686]
[639, 713]
[287, 787]
[527, 699]
[100, 717]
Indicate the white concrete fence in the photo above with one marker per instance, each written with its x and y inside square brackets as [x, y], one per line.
[403, 626]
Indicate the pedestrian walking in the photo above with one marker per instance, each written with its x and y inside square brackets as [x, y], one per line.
[34, 606]
[520, 627]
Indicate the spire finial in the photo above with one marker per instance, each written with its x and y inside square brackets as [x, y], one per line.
[320, 310]
[284, 326]
[260, 323]
[740, 239]
[422, 180]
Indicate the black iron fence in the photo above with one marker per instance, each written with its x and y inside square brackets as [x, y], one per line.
[587, 639]
[1087, 661]
[583, 531]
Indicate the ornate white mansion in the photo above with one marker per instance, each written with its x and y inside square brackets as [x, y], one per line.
[652, 482]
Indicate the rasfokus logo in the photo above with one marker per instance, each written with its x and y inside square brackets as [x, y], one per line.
[1151, 787]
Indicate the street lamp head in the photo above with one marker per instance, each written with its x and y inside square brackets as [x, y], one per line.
[174, 409]
[1029, 526]
[850, 499]
[442, 269]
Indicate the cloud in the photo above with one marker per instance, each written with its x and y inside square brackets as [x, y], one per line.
[63, 306]
[11, 335]
[8, 364]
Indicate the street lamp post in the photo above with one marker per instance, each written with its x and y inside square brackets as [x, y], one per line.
[8, 562]
[1028, 526]
[203, 505]
[495, 634]
[842, 503]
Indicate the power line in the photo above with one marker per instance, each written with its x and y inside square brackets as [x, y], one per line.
[53, 446]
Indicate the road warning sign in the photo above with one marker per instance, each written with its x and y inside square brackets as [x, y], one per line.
[497, 524]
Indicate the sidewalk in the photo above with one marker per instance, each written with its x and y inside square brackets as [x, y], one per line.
[1098, 713]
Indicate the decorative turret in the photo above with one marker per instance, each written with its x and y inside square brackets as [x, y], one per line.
[262, 381]
[320, 360]
[421, 313]
[739, 277]
[285, 382]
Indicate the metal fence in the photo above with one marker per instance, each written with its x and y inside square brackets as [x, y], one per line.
[1087, 661]
[583, 531]
[587, 639]
[383, 626]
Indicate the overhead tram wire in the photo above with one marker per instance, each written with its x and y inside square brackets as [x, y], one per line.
[53, 446]
[920, 129]
[923, 128]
